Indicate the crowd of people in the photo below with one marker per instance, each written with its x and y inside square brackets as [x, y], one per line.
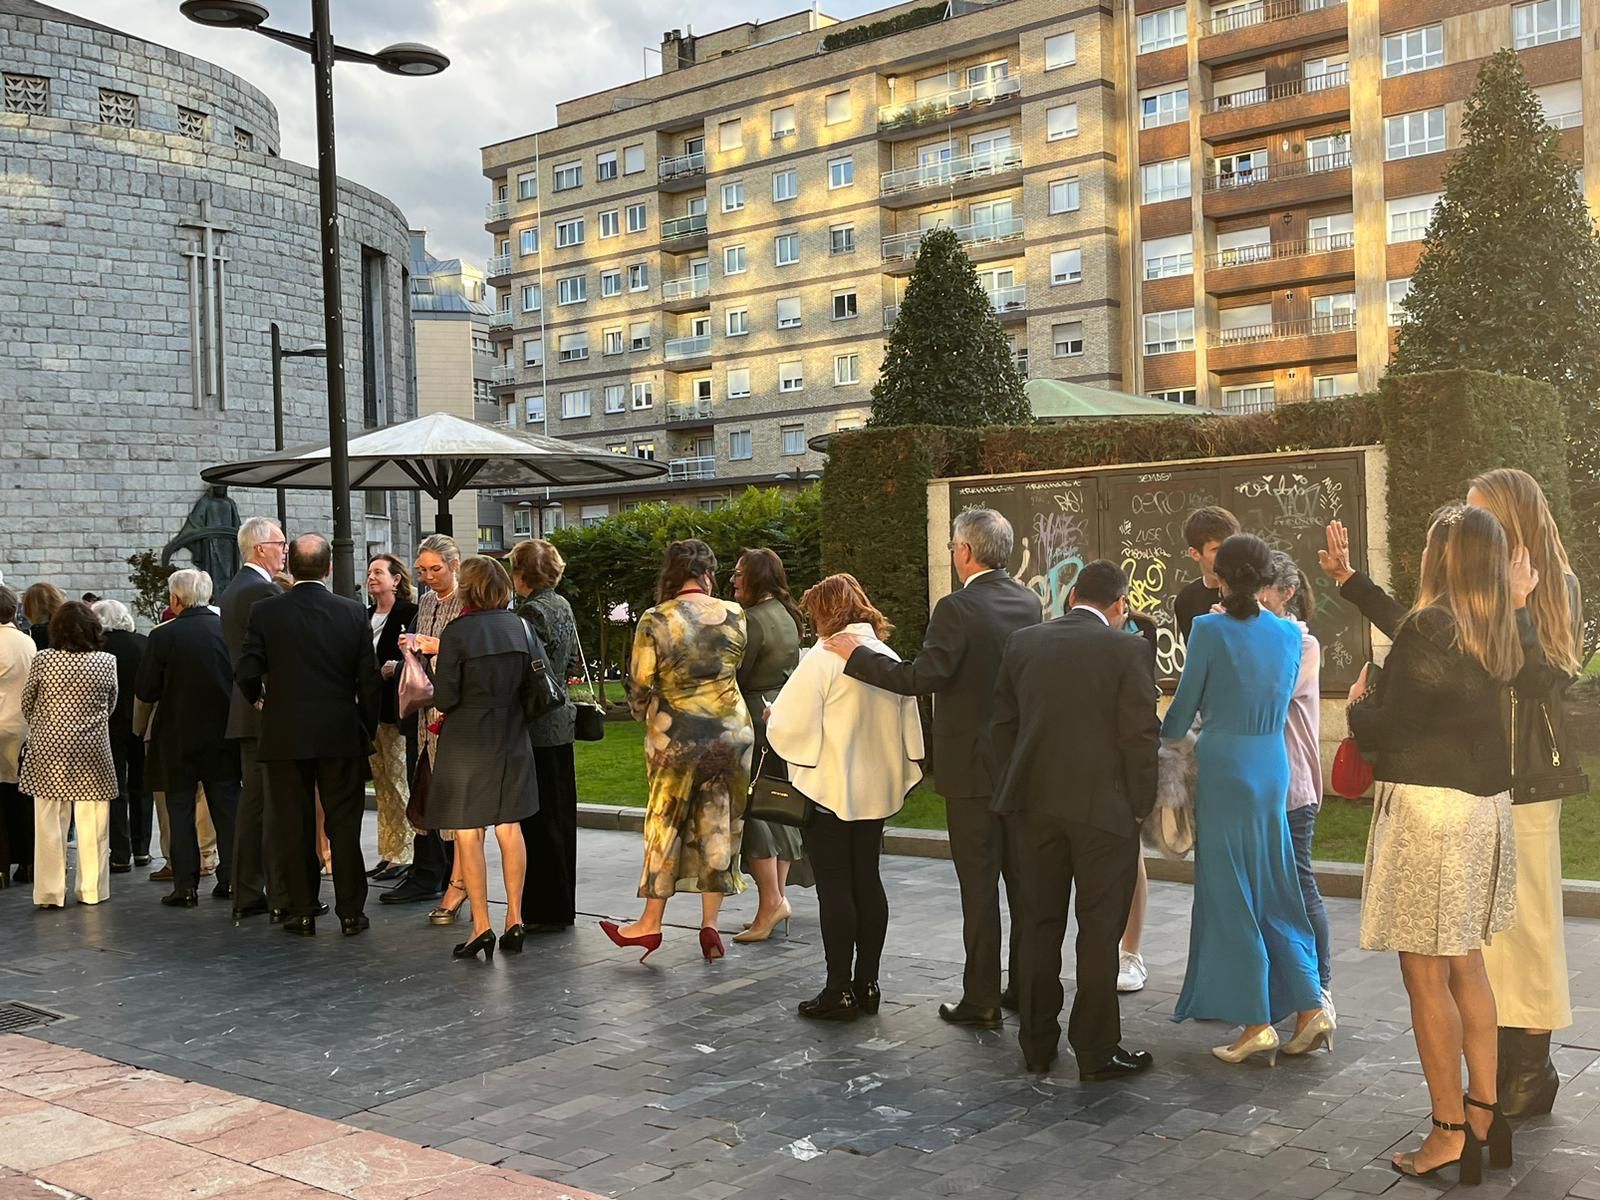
[260, 719]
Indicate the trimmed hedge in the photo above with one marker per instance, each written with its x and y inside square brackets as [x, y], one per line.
[858, 34]
[1440, 429]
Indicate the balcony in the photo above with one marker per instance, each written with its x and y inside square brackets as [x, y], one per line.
[1278, 184]
[959, 106]
[500, 320]
[689, 412]
[979, 235]
[1270, 25]
[704, 467]
[496, 210]
[680, 172]
[1008, 304]
[1279, 264]
[684, 233]
[985, 170]
[497, 264]
[679, 349]
[686, 292]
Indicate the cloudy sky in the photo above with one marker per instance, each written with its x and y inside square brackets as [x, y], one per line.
[417, 141]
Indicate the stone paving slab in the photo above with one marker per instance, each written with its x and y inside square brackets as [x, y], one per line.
[685, 1079]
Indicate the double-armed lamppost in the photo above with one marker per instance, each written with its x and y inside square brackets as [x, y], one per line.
[404, 58]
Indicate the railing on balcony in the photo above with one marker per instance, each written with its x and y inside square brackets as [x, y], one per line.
[688, 347]
[1241, 256]
[704, 467]
[497, 210]
[498, 264]
[940, 105]
[505, 373]
[1019, 359]
[1337, 77]
[682, 227]
[688, 410]
[1002, 300]
[952, 170]
[687, 287]
[1261, 13]
[1277, 331]
[978, 233]
[1258, 173]
[501, 319]
[678, 165]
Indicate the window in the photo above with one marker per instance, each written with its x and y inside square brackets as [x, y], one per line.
[611, 341]
[730, 135]
[741, 444]
[1399, 289]
[1544, 21]
[1250, 398]
[738, 381]
[120, 109]
[846, 369]
[1066, 339]
[616, 393]
[1326, 387]
[575, 404]
[1163, 107]
[572, 347]
[29, 94]
[1065, 195]
[638, 277]
[841, 172]
[610, 225]
[1169, 256]
[732, 197]
[789, 313]
[1066, 266]
[632, 159]
[794, 438]
[243, 139]
[785, 185]
[531, 300]
[1411, 134]
[527, 186]
[569, 176]
[1409, 217]
[841, 239]
[733, 260]
[638, 217]
[738, 322]
[1169, 332]
[529, 241]
[1167, 180]
[191, 122]
[645, 450]
[1061, 122]
[644, 395]
[787, 246]
[838, 106]
[572, 289]
[1158, 30]
[605, 165]
[783, 121]
[570, 232]
[611, 283]
[535, 410]
[1176, 395]
[1060, 50]
[790, 377]
[639, 335]
[532, 352]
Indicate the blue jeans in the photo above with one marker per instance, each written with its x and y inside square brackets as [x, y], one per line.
[1302, 830]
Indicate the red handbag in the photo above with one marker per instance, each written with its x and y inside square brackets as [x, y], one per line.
[1352, 774]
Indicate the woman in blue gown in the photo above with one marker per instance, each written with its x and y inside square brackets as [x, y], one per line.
[1252, 955]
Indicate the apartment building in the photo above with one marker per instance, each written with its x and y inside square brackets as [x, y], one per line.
[702, 267]
[1289, 154]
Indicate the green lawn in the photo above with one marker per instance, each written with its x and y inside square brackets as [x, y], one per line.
[612, 772]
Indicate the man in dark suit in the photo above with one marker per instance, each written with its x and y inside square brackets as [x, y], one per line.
[960, 656]
[308, 661]
[258, 881]
[1075, 738]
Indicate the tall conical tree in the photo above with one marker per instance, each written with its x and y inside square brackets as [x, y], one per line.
[1509, 280]
[948, 361]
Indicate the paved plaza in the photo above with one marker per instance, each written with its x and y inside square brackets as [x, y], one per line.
[690, 1080]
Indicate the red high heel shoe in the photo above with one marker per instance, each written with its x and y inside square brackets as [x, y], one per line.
[650, 941]
[711, 944]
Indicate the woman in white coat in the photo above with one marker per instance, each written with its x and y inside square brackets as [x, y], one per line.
[853, 751]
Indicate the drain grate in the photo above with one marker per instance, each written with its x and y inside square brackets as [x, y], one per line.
[15, 1017]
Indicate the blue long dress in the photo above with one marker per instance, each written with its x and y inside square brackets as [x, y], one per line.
[1252, 955]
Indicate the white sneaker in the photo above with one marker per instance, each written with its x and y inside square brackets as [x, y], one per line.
[1131, 974]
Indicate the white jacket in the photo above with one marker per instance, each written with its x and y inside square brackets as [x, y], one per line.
[850, 747]
[16, 653]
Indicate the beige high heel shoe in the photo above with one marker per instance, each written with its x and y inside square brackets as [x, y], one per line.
[757, 932]
[1318, 1032]
[1265, 1042]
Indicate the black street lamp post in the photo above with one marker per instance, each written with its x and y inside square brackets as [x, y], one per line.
[404, 58]
[278, 355]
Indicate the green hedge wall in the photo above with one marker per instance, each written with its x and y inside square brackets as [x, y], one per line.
[1440, 429]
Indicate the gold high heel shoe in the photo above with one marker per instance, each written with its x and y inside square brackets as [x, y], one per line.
[1318, 1032]
[444, 914]
[756, 932]
[1265, 1042]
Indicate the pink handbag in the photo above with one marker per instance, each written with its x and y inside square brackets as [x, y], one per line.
[416, 689]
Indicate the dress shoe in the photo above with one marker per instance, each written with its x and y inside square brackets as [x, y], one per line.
[1009, 1001]
[121, 868]
[831, 1005]
[389, 872]
[182, 898]
[410, 892]
[223, 891]
[1121, 1063]
[970, 1014]
[350, 926]
[300, 926]
[162, 874]
[254, 909]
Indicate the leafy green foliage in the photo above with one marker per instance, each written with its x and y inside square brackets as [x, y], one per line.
[149, 579]
[948, 361]
[1509, 281]
[858, 34]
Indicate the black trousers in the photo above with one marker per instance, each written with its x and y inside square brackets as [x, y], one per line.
[978, 846]
[134, 808]
[1052, 855]
[222, 802]
[853, 907]
[549, 890]
[294, 786]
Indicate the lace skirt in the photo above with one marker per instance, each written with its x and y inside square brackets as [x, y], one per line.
[1441, 872]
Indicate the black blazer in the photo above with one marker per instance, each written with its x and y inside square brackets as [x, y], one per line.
[1075, 731]
[186, 673]
[243, 591]
[958, 663]
[308, 655]
[128, 648]
[401, 618]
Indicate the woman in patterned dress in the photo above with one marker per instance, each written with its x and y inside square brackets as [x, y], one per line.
[698, 737]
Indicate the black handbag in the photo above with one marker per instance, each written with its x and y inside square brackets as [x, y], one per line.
[542, 696]
[589, 719]
[776, 799]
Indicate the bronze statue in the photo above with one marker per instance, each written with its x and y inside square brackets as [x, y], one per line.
[211, 536]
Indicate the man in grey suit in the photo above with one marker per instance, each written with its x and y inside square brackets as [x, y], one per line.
[957, 666]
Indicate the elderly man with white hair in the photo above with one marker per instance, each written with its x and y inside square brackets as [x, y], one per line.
[132, 810]
[187, 673]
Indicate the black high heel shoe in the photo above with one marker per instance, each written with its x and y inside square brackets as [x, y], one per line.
[1498, 1139]
[511, 939]
[1469, 1163]
[484, 941]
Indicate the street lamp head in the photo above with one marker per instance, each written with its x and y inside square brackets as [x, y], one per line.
[410, 58]
[224, 14]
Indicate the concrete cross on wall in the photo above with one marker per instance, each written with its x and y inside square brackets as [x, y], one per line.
[207, 309]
